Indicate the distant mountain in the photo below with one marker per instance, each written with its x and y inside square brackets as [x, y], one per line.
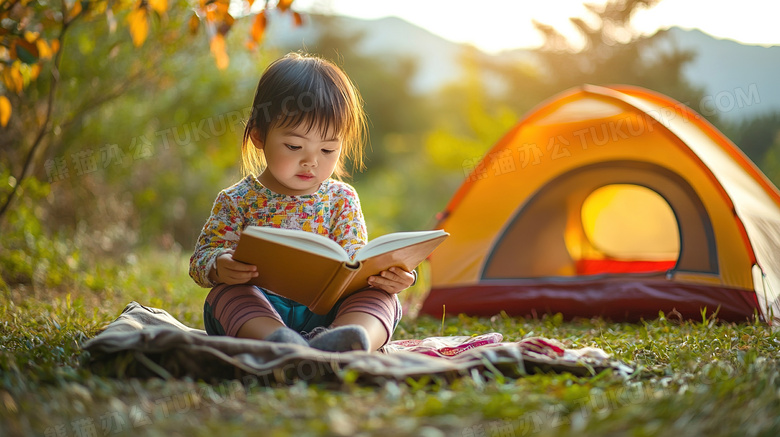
[436, 57]
[740, 80]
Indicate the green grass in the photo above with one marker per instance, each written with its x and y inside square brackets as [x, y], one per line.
[693, 378]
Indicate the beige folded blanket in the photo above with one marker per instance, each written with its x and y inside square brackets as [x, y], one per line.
[149, 342]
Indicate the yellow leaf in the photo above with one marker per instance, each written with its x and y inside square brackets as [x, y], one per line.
[194, 24]
[226, 25]
[216, 10]
[55, 45]
[258, 27]
[5, 111]
[218, 50]
[159, 6]
[211, 13]
[139, 26]
[30, 36]
[75, 10]
[222, 6]
[44, 51]
[12, 77]
[98, 8]
[284, 5]
[35, 71]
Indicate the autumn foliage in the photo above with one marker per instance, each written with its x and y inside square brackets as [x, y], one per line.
[31, 31]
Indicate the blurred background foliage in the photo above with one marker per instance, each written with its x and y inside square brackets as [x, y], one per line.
[143, 138]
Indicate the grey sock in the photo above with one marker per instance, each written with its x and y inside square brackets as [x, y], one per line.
[286, 335]
[340, 339]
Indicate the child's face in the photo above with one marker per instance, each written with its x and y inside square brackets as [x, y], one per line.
[298, 161]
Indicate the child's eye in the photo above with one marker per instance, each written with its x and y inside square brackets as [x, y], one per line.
[327, 151]
[291, 147]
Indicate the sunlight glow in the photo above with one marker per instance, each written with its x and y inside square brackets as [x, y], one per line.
[499, 25]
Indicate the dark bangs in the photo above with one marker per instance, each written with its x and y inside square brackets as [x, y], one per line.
[297, 91]
[316, 104]
[300, 90]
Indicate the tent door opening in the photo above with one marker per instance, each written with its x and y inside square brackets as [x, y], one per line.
[622, 228]
[612, 217]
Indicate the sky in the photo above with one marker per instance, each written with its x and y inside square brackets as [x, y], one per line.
[496, 25]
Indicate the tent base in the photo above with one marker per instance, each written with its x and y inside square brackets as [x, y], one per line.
[617, 300]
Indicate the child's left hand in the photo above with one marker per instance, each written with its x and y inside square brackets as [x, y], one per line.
[394, 280]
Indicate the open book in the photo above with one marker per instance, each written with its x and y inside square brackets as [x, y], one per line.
[316, 271]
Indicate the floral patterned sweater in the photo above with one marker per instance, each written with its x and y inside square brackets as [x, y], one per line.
[333, 211]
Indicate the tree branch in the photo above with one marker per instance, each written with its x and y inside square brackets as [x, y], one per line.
[93, 105]
[55, 79]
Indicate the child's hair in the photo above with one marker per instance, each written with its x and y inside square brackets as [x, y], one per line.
[304, 89]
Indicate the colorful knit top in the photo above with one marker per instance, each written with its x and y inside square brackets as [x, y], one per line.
[333, 211]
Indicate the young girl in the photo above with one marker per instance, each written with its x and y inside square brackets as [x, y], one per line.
[307, 118]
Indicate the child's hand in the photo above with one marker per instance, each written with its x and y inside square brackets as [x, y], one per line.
[230, 271]
[393, 280]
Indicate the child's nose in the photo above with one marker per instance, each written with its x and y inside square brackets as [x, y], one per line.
[309, 159]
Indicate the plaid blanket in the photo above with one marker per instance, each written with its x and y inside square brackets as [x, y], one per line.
[149, 342]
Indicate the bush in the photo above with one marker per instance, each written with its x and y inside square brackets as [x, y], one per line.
[29, 253]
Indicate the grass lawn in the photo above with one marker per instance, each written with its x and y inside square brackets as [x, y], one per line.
[693, 378]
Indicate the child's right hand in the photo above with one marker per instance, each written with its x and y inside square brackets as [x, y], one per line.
[230, 271]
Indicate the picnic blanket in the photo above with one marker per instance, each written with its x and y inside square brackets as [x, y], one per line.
[149, 342]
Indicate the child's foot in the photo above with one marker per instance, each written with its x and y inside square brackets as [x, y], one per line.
[340, 339]
[287, 335]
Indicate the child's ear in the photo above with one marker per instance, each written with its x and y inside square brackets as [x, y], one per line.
[257, 140]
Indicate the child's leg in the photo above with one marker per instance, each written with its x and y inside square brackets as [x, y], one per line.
[243, 311]
[375, 310]
[259, 328]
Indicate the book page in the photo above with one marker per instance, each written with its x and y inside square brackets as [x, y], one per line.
[305, 241]
[390, 242]
[408, 257]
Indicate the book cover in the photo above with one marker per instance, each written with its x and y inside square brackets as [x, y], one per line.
[315, 271]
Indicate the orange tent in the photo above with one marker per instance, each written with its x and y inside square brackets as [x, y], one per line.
[615, 202]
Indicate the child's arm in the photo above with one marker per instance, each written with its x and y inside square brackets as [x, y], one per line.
[349, 227]
[219, 236]
[393, 280]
